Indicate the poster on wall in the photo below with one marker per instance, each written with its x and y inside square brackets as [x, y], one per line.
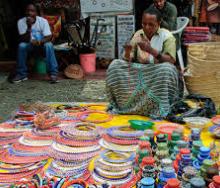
[105, 44]
[125, 30]
[91, 6]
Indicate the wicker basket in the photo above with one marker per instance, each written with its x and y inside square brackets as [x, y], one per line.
[209, 86]
[205, 50]
[203, 75]
[215, 38]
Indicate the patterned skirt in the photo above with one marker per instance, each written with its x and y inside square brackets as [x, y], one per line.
[142, 89]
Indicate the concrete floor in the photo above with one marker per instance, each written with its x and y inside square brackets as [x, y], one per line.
[67, 90]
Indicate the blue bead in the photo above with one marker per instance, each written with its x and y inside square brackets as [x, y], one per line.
[147, 181]
[204, 150]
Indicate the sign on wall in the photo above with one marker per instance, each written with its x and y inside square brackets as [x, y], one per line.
[91, 6]
[105, 45]
[125, 30]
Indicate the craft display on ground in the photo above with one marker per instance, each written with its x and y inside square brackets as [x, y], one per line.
[71, 145]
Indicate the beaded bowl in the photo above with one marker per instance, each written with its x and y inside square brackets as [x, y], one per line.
[197, 122]
[215, 130]
[216, 120]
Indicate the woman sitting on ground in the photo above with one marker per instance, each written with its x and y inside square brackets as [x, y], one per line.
[146, 82]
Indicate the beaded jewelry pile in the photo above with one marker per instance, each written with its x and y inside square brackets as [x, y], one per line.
[122, 139]
[46, 120]
[9, 134]
[115, 168]
[73, 149]
[24, 119]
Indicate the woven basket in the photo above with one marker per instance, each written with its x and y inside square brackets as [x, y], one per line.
[208, 86]
[215, 38]
[205, 50]
[200, 67]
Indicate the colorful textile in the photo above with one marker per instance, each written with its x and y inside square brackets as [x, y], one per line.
[196, 34]
[169, 14]
[55, 25]
[142, 89]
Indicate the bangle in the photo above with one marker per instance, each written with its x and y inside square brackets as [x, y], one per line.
[7, 158]
[79, 182]
[112, 181]
[119, 148]
[82, 130]
[124, 132]
[120, 141]
[70, 156]
[121, 157]
[83, 116]
[26, 142]
[11, 151]
[36, 149]
[67, 149]
[115, 165]
[110, 173]
[75, 143]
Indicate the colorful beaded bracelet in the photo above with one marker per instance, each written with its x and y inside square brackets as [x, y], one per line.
[120, 141]
[30, 136]
[46, 132]
[79, 137]
[115, 174]
[121, 157]
[82, 129]
[83, 116]
[11, 151]
[75, 143]
[100, 179]
[111, 168]
[9, 178]
[77, 150]
[62, 174]
[127, 164]
[35, 149]
[71, 157]
[7, 158]
[26, 142]
[75, 182]
[77, 167]
[70, 163]
[115, 147]
[124, 132]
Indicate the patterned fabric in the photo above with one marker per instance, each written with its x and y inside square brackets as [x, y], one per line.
[169, 14]
[55, 25]
[141, 87]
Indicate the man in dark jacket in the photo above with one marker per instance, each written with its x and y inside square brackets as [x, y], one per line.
[169, 14]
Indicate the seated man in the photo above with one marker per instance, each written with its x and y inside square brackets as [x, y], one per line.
[34, 33]
[147, 83]
[169, 14]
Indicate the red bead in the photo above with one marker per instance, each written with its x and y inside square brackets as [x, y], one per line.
[184, 151]
[144, 144]
[173, 183]
[148, 161]
[216, 180]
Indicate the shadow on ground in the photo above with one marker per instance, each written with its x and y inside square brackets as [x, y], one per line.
[12, 95]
